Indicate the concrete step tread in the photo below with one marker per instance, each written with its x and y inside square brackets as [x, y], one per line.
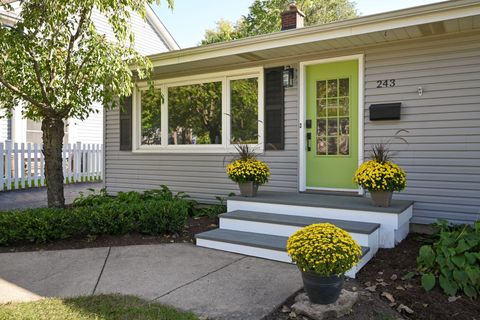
[299, 221]
[251, 239]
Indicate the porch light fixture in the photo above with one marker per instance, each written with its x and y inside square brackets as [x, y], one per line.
[287, 76]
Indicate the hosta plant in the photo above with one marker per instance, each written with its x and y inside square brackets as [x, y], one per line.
[453, 260]
[323, 249]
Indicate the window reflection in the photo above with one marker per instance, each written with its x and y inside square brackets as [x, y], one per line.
[151, 133]
[195, 114]
[244, 111]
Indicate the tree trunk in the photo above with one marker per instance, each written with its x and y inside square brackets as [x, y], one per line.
[53, 132]
[214, 135]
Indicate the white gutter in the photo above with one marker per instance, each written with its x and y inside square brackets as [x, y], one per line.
[384, 21]
[161, 30]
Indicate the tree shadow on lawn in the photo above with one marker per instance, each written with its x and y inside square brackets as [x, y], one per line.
[99, 307]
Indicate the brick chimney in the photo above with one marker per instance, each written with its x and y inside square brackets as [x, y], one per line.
[292, 18]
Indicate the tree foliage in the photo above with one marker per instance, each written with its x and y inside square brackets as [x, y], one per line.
[56, 64]
[195, 111]
[265, 17]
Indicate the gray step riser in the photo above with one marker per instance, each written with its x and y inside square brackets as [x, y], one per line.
[268, 253]
[366, 240]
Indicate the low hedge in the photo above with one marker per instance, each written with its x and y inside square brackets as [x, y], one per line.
[153, 212]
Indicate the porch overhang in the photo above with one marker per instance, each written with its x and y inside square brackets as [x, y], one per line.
[442, 18]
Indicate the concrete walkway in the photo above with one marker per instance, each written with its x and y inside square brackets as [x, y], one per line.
[37, 197]
[216, 284]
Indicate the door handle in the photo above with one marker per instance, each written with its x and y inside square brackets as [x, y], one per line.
[309, 138]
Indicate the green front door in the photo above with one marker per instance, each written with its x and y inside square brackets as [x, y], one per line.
[332, 125]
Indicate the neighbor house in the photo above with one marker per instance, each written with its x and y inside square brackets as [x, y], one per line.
[151, 37]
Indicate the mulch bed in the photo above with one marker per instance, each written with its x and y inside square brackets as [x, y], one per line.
[395, 263]
[194, 226]
[368, 307]
[381, 280]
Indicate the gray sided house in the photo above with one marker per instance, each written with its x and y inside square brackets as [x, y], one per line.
[313, 100]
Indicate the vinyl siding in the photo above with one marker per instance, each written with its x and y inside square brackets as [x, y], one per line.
[442, 157]
[147, 41]
[88, 131]
[3, 129]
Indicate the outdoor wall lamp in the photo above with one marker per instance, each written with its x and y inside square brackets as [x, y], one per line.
[287, 76]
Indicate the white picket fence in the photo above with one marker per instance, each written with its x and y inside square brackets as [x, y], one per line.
[22, 165]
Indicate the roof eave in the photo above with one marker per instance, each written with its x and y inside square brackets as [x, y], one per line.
[389, 20]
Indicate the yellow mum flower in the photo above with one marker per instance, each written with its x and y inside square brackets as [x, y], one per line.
[386, 176]
[324, 249]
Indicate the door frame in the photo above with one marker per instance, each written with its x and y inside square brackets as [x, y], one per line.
[303, 109]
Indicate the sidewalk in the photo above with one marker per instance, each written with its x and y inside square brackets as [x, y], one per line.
[37, 197]
[210, 283]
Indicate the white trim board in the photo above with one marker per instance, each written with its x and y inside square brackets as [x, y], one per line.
[225, 79]
[302, 92]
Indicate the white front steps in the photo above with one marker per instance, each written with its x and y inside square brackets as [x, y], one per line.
[260, 245]
[261, 226]
[394, 221]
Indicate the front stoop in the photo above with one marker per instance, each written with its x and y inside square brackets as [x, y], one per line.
[260, 226]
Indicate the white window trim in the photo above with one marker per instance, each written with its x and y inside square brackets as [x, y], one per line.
[225, 146]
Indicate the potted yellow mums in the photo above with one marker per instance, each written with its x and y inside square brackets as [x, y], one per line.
[247, 171]
[323, 253]
[380, 176]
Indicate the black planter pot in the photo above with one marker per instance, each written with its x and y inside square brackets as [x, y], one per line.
[322, 290]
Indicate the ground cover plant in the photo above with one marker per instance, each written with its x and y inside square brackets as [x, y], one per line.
[101, 307]
[152, 212]
[452, 260]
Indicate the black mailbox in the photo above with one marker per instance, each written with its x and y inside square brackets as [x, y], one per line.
[385, 111]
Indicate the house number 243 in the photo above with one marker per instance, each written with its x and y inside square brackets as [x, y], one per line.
[386, 83]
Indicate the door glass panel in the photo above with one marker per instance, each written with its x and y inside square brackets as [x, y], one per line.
[332, 107]
[343, 88]
[332, 146]
[332, 127]
[321, 146]
[332, 88]
[343, 147]
[321, 108]
[333, 117]
[321, 89]
[343, 107]
[321, 127]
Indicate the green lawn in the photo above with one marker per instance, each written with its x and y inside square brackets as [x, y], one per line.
[103, 307]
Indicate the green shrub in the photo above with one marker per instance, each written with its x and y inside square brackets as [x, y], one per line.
[162, 216]
[213, 210]
[453, 260]
[96, 214]
[92, 199]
